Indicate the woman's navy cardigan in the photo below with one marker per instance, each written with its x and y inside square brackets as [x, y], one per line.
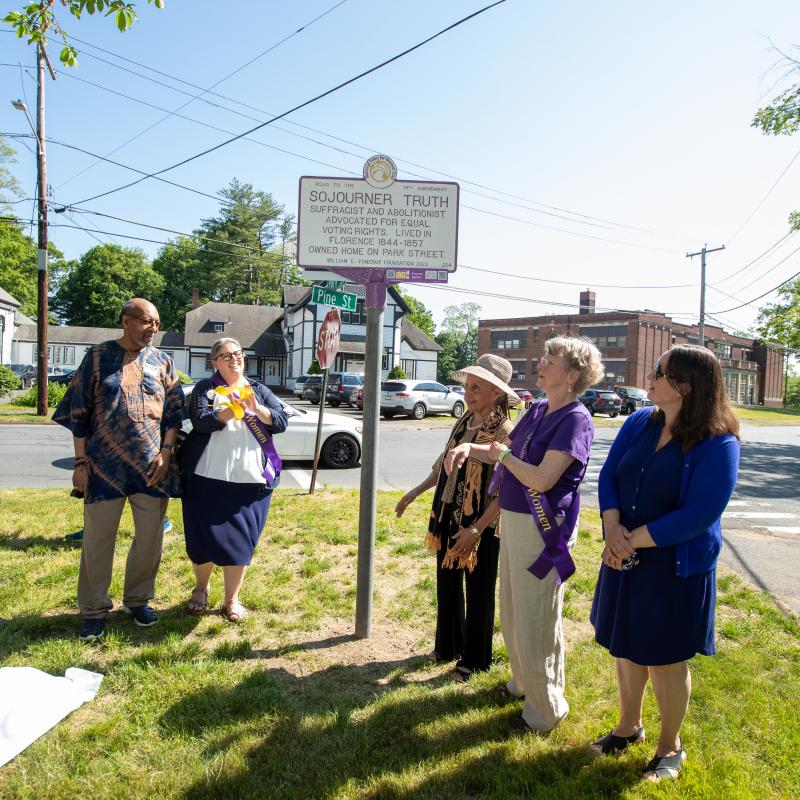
[708, 478]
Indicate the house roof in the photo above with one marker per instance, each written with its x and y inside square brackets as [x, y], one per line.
[416, 337]
[76, 334]
[254, 327]
[6, 298]
[22, 319]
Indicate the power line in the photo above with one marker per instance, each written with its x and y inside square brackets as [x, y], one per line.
[764, 198]
[757, 258]
[769, 291]
[213, 86]
[300, 105]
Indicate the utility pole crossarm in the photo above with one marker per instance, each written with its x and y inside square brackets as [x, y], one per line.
[702, 253]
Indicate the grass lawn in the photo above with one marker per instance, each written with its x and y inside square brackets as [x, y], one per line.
[290, 705]
[760, 415]
[11, 414]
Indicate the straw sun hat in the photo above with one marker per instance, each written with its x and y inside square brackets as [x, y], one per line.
[494, 369]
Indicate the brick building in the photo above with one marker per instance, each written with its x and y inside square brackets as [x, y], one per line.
[631, 342]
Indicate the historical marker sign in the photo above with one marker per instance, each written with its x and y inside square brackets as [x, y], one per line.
[409, 228]
[331, 297]
[328, 339]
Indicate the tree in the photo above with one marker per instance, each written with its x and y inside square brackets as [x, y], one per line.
[8, 183]
[93, 292]
[458, 339]
[247, 251]
[36, 19]
[179, 265]
[782, 116]
[420, 315]
[18, 271]
[780, 322]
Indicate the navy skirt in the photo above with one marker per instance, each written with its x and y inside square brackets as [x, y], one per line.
[650, 615]
[222, 521]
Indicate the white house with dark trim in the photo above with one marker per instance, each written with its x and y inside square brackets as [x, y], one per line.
[404, 344]
[8, 312]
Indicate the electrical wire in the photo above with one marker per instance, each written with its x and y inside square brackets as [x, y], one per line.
[213, 86]
[299, 106]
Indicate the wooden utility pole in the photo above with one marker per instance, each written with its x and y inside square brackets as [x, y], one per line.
[41, 259]
[702, 254]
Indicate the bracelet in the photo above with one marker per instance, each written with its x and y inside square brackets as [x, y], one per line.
[503, 454]
[170, 447]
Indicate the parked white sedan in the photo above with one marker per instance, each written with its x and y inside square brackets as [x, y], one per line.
[341, 436]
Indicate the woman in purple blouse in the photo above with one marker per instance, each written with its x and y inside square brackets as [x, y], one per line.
[543, 463]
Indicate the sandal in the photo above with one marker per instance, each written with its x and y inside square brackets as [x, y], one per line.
[665, 766]
[460, 674]
[197, 607]
[612, 745]
[234, 612]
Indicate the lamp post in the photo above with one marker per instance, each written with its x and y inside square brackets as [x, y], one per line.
[41, 259]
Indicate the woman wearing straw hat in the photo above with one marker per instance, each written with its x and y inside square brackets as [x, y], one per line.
[463, 520]
[539, 479]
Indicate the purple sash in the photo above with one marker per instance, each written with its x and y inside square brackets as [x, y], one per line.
[259, 430]
[556, 553]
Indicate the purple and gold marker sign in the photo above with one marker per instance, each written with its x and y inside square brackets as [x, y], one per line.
[407, 228]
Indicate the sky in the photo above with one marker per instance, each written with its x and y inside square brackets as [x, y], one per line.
[595, 144]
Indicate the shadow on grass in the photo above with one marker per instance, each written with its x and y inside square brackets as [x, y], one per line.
[12, 541]
[19, 632]
[361, 730]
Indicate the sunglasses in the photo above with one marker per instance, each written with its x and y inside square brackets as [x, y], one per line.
[658, 372]
[237, 354]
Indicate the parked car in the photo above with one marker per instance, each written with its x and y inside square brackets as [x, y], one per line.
[456, 387]
[526, 396]
[632, 398]
[358, 398]
[299, 385]
[53, 373]
[341, 436]
[312, 389]
[25, 373]
[418, 399]
[341, 387]
[64, 377]
[601, 401]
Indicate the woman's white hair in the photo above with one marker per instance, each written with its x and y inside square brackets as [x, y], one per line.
[579, 354]
[218, 345]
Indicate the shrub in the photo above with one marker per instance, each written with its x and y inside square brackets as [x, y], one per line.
[9, 380]
[183, 377]
[397, 373]
[314, 368]
[55, 393]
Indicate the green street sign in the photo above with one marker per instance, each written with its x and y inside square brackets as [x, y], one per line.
[330, 297]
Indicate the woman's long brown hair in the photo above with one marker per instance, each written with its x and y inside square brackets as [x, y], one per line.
[706, 411]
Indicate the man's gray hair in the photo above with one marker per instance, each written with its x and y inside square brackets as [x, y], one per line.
[128, 309]
[217, 346]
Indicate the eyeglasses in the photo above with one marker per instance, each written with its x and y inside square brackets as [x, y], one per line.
[146, 321]
[658, 372]
[237, 354]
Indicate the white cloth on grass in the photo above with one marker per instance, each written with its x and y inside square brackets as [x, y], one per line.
[32, 702]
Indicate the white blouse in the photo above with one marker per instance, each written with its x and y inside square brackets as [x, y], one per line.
[232, 454]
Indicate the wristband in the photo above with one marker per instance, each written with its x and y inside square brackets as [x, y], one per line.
[503, 454]
[170, 447]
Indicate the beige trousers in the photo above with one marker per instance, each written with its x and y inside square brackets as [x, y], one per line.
[100, 526]
[530, 615]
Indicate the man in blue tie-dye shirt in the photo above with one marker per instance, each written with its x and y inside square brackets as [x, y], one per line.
[124, 407]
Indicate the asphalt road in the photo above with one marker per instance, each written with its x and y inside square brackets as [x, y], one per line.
[761, 526]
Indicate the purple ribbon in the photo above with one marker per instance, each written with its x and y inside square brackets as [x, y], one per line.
[272, 461]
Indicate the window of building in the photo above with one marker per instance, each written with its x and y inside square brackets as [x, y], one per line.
[209, 365]
[606, 336]
[170, 353]
[218, 327]
[61, 354]
[615, 372]
[519, 373]
[509, 340]
[723, 350]
[409, 366]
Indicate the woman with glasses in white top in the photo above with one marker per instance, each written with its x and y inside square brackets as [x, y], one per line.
[230, 467]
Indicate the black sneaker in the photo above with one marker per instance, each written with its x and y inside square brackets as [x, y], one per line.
[143, 616]
[92, 629]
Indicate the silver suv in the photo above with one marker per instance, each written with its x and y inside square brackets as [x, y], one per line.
[418, 399]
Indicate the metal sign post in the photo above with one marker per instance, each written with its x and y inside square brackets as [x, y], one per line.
[378, 231]
[327, 347]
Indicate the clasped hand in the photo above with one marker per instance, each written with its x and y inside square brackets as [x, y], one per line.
[464, 542]
[618, 545]
[158, 469]
[457, 456]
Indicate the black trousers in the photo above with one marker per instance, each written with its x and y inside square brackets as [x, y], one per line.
[465, 633]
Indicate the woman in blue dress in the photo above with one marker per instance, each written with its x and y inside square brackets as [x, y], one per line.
[669, 475]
